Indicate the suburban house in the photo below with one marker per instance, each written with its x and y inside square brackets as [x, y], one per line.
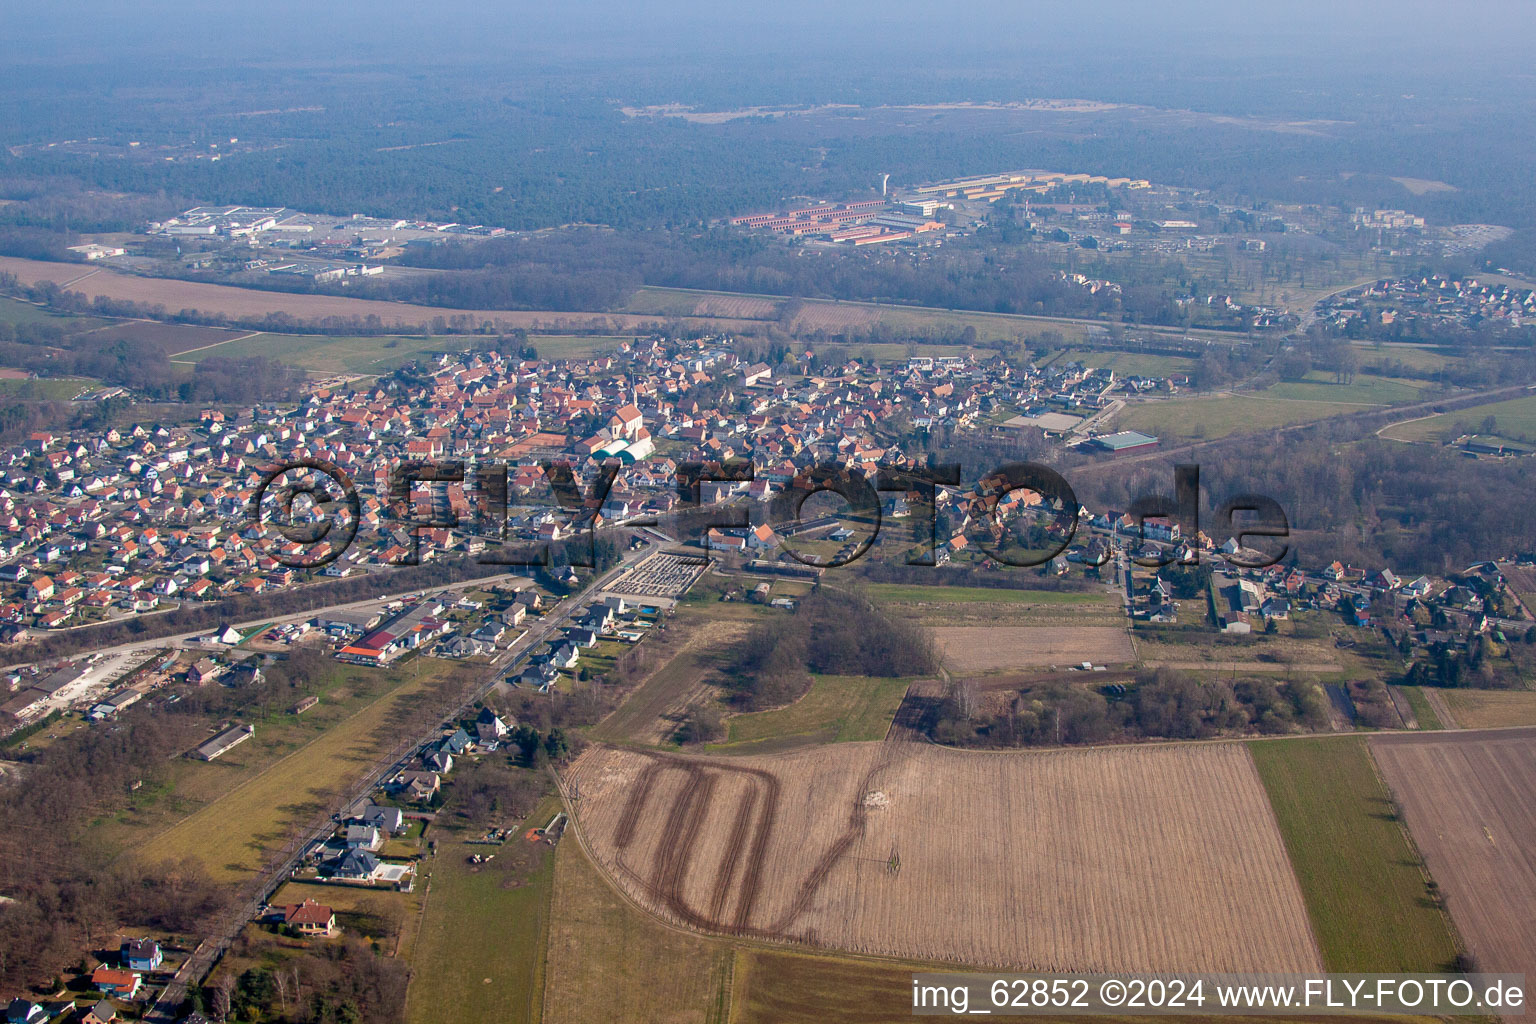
[115, 981]
[141, 954]
[539, 677]
[488, 727]
[356, 866]
[363, 837]
[456, 742]
[308, 918]
[204, 671]
[385, 819]
[417, 785]
[24, 1011]
[102, 1013]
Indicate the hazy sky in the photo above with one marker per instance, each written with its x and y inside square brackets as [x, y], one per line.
[350, 30]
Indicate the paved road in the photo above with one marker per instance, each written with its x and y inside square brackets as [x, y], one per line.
[383, 598]
[228, 925]
[1449, 402]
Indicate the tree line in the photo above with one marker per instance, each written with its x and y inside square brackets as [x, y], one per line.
[828, 634]
[1158, 703]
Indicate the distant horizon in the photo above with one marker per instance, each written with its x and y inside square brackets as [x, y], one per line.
[391, 32]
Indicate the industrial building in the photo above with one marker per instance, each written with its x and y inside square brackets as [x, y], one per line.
[865, 222]
[408, 630]
[1123, 442]
[224, 742]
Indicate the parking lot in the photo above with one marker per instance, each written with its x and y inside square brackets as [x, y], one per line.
[662, 576]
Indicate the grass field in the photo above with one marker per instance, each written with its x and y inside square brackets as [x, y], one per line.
[480, 953]
[15, 311]
[1363, 884]
[1491, 709]
[1421, 709]
[1126, 363]
[1419, 357]
[836, 709]
[1220, 415]
[608, 961]
[1516, 419]
[378, 353]
[255, 812]
[1363, 390]
[772, 987]
[55, 389]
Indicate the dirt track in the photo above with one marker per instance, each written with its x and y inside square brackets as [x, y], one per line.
[1143, 858]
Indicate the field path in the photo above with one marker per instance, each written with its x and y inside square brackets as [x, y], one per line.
[226, 341]
[1442, 710]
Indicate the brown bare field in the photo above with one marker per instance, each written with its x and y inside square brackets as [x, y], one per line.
[739, 307]
[1489, 709]
[970, 649]
[236, 302]
[1147, 858]
[1470, 803]
[1521, 577]
[834, 318]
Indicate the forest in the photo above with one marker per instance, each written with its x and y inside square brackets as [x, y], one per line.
[551, 145]
[1159, 703]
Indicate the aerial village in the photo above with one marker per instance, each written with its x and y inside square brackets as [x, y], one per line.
[102, 526]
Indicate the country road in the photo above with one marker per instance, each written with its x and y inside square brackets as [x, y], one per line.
[278, 620]
[227, 926]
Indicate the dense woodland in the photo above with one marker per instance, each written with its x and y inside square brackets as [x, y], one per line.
[599, 270]
[550, 145]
